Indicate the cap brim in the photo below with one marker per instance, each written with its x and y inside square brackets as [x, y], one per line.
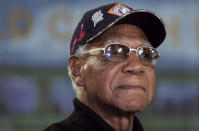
[152, 25]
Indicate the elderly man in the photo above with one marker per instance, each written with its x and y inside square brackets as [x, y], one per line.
[112, 68]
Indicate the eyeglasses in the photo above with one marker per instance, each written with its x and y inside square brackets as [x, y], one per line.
[115, 52]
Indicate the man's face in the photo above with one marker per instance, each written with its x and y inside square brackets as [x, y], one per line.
[127, 86]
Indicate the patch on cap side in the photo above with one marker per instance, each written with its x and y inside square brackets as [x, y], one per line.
[119, 10]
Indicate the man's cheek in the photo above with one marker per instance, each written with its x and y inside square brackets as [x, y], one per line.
[151, 82]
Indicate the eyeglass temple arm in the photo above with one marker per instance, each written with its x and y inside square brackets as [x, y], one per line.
[96, 49]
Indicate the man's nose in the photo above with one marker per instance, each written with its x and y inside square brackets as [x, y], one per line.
[133, 65]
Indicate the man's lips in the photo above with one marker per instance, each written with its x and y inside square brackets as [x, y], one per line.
[130, 87]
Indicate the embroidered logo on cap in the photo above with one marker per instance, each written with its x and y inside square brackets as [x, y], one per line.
[119, 10]
[97, 17]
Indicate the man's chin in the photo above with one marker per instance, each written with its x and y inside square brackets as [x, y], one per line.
[139, 107]
[128, 106]
[134, 109]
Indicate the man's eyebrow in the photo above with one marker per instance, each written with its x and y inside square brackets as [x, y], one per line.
[146, 43]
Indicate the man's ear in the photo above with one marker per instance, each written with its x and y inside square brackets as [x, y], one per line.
[75, 66]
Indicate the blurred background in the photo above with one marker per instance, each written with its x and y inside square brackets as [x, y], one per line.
[35, 90]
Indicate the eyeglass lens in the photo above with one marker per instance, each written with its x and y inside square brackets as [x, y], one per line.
[116, 52]
[119, 53]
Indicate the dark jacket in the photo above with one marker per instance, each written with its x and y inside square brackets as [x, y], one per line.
[84, 119]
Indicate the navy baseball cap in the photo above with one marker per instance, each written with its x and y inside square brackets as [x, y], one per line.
[98, 20]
